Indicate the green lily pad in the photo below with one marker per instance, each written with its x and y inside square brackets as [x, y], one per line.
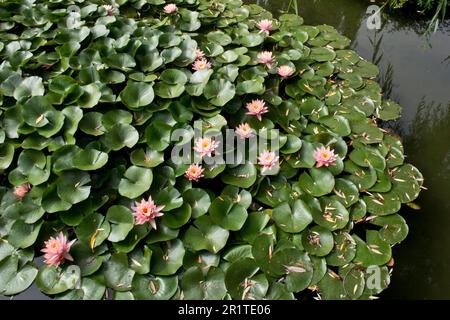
[205, 235]
[292, 217]
[135, 182]
[121, 221]
[318, 241]
[394, 228]
[242, 176]
[318, 182]
[167, 258]
[200, 285]
[154, 288]
[51, 280]
[228, 214]
[137, 95]
[118, 275]
[375, 251]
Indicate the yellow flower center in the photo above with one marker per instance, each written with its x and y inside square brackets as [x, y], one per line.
[205, 144]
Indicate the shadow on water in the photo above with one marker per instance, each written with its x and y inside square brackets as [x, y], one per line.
[415, 72]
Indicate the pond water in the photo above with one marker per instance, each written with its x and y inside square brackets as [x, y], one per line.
[415, 72]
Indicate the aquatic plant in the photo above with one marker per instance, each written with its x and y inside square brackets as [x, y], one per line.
[91, 96]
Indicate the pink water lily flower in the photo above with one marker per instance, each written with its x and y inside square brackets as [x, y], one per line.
[199, 54]
[170, 8]
[256, 108]
[265, 25]
[194, 172]
[22, 190]
[146, 211]
[324, 157]
[268, 159]
[266, 58]
[57, 250]
[206, 146]
[110, 10]
[201, 64]
[285, 71]
[244, 131]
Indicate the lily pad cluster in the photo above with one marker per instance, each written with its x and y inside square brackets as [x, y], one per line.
[90, 95]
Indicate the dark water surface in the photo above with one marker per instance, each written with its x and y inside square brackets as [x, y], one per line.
[415, 72]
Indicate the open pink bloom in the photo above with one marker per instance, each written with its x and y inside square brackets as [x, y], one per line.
[109, 9]
[201, 64]
[194, 172]
[265, 25]
[22, 190]
[146, 211]
[285, 71]
[266, 58]
[244, 131]
[324, 157]
[256, 108]
[199, 54]
[206, 146]
[57, 250]
[170, 8]
[267, 159]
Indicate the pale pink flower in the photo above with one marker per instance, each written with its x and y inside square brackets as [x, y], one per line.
[267, 159]
[256, 108]
[206, 146]
[266, 58]
[194, 172]
[285, 71]
[265, 25]
[324, 157]
[201, 64]
[199, 54]
[170, 8]
[110, 10]
[22, 190]
[57, 250]
[146, 211]
[244, 131]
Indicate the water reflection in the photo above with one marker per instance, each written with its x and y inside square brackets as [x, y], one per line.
[415, 72]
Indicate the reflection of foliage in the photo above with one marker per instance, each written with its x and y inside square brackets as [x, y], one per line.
[429, 121]
[437, 8]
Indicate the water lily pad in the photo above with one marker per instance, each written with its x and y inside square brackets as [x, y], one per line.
[318, 182]
[135, 182]
[137, 94]
[292, 217]
[121, 135]
[317, 241]
[168, 258]
[121, 221]
[200, 285]
[375, 251]
[394, 228]
[154, 288]
[51, 280]
[118, 275]
[219, 92]
[205, 235]
[228, 214]
[241, 176]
